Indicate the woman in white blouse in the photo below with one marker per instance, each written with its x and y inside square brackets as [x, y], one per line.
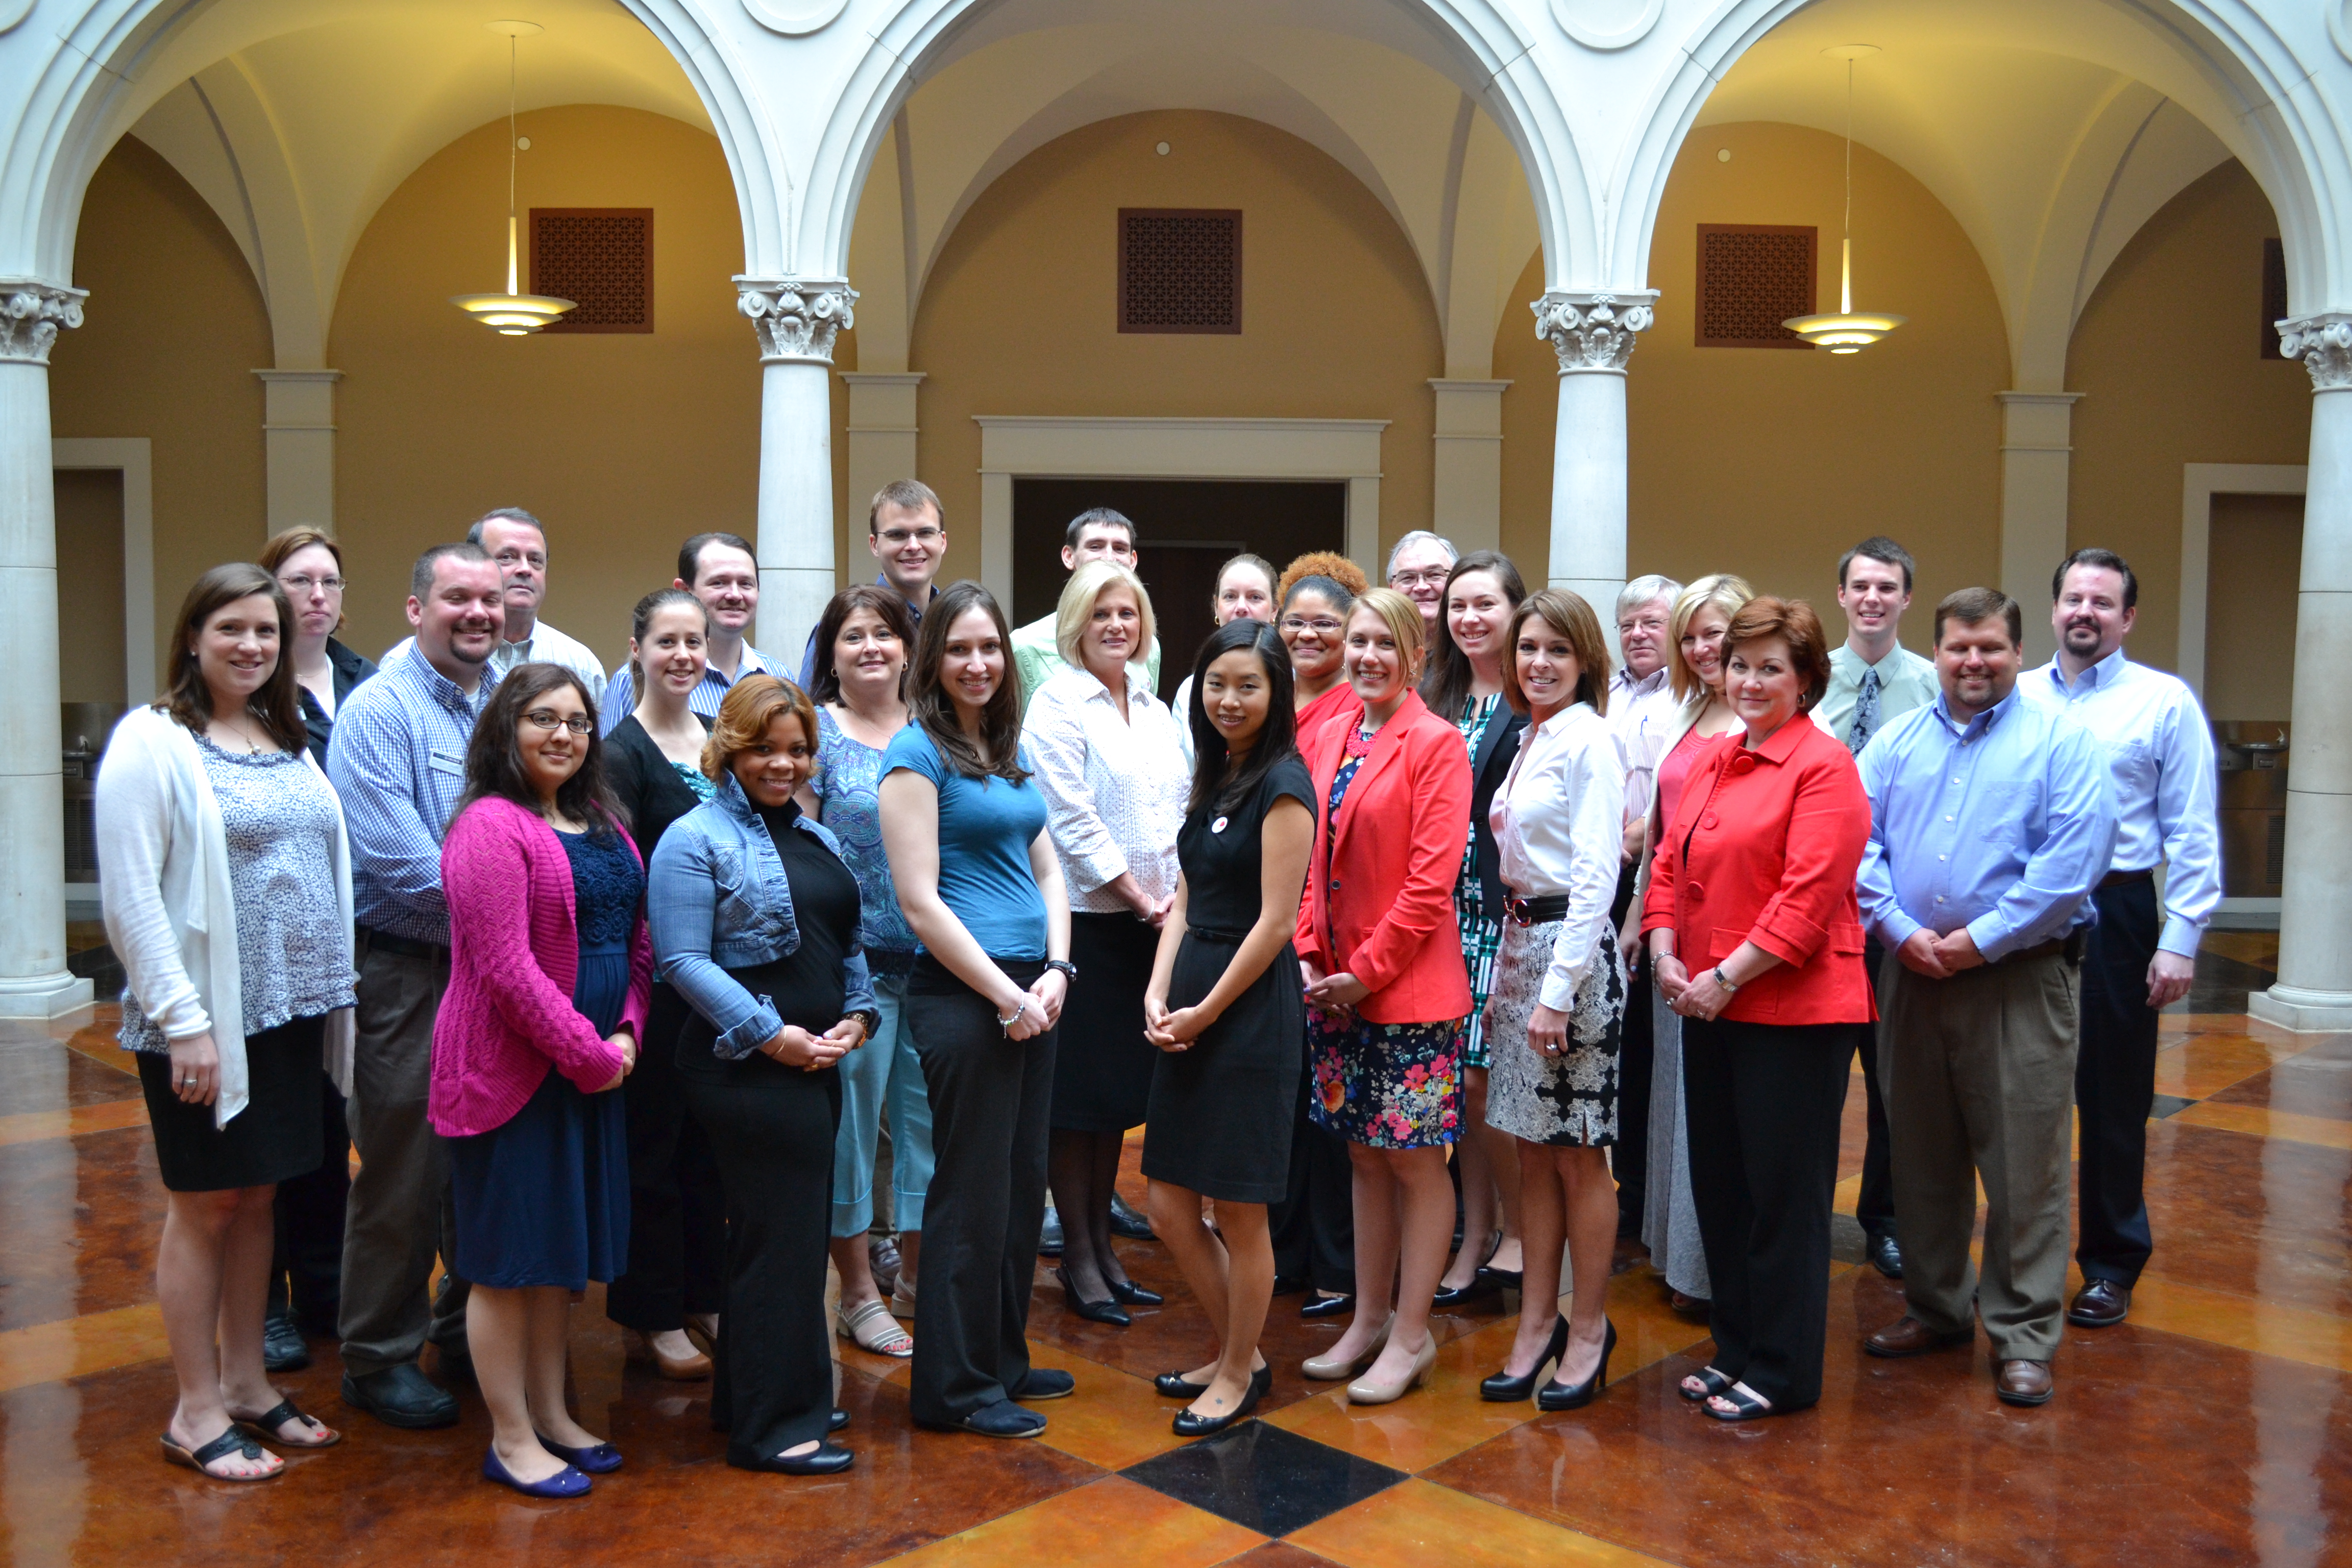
[1556, 1018]
[1108, 759]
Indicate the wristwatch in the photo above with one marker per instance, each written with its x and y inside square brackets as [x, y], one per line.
[1069, 971]
[869, 1018]
[1722, 980]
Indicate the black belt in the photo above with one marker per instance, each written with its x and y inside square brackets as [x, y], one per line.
[406, 946]
[1212, 933]
[2069, 947]
[2118, 879]
[1536, 911]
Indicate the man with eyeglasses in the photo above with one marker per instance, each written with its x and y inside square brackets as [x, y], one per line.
[1418, 566]
[1097, 533]
[720, 570]
[516, 542]
[905, 530]
[397, 759]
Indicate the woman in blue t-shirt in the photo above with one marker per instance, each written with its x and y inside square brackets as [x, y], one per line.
[976, 877]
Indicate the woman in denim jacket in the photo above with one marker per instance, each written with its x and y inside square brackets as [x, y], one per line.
[755, 919]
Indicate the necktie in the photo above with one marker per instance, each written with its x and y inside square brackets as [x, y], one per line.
[1865, 713]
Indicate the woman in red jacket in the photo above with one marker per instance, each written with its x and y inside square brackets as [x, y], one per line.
[1757, 943]
[549, 975]
[1386, 991]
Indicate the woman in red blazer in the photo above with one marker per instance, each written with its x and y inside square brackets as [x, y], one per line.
[1757, 940]
[1386, 991]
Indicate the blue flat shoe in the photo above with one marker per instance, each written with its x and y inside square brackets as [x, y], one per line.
[598, 1458]
[567, 1483]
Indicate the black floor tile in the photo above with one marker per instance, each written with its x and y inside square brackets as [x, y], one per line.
[2170, 1105]
[1263, 1478]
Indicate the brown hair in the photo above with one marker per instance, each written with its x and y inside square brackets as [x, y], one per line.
[494, 764]
[1445, 684]
[825, 684]
[908, 495]
[292, 543]
[1794, 623]
[1974, 605]
[929, 704]
[641, 620]
[751, 705]
[1568, 614]
[1321, 564]
[274, 705]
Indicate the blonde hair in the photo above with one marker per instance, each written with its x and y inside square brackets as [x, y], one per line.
[1724, 592]
[751, 705]
[1402, 618]
[1086, 584]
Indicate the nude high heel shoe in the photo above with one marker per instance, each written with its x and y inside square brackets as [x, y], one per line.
[1364, 1391]
[1331, 1368]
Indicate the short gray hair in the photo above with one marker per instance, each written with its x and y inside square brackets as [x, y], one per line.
[1641, 590]
[504, 514]
[1420, 536]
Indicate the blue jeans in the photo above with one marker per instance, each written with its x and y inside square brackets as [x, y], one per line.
[884, 1068]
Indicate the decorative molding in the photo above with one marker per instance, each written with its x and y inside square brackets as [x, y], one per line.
[2324, 344]
[794, 19]
[12, 11]
[31, 312]
[1593, 332]
[797, 317]
[1576, 20]
[2200, 483]
[133, 456]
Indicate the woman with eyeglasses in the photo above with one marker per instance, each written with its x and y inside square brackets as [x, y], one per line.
[1317, 592]
[309, 564]
[550, 972]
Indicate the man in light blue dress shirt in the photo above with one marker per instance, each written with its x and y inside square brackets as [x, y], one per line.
[1991, 820]
[720, 570]
[2142, 957]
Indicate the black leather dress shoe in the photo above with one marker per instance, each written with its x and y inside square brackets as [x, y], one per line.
[1326, 1306]
[1045, 1383]
[1126, 1221]
[1049, 1240]
[1886, 1255]
[1127, 1293]
[825, 1459]
[402, 1396]
[839, 1419]
[282, 1348]
[2100, 1304]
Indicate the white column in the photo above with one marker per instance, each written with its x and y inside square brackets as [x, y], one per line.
[882, 431]
[2315, 974]
[1468, 499]
[2036, 450]
[797, 319]
[34, 983]
[1593, 335]
[298, 425]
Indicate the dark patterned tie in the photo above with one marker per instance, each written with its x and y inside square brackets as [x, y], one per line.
[1865, 713]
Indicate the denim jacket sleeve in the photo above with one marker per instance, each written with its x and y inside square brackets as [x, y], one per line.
[681, 897]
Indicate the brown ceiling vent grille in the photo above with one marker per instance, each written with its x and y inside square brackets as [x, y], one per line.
[1751, 278]
[600, 257]
[1180, 269]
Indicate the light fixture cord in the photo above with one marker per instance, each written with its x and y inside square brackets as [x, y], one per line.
[1845, 259]
[513, 43]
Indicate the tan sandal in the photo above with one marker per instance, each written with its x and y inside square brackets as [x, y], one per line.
[677, 1369]
[873, 1329]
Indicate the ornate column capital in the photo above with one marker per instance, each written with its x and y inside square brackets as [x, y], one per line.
[1593, 332]
[2324, 344]
[31, 314]
[797, 317]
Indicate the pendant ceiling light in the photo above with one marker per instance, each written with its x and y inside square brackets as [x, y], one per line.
[1846, 332]
[512, 315]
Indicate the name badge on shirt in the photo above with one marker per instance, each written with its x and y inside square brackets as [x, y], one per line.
[449, 763]
[1218, 826]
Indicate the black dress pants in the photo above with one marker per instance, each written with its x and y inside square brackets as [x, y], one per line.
[1314, 1227]
[772, 1128]
[2115, 1083]
[1629, 1161]
[677, 1230]
[992, 1100]
[1763, 1102]
[1874, 1206]
[306, 1270]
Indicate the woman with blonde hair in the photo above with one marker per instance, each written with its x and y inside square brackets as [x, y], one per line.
[1111, 766]
[1694, 656]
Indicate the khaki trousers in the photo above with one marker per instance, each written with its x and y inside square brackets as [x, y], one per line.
[1979, 1073]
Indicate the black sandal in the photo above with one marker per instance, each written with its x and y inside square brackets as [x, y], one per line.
[1710, 1381]
[265, 1426]
[233, 1441]
[1743, 1406]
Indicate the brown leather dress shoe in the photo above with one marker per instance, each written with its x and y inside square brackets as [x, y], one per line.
[2100, 1304]
[2024, 1382]
[1908, 1336]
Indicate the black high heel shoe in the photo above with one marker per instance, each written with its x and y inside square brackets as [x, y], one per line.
[1504, 1389]
[1576, 1396]
[1325, 1307]
[1483, 1282]
[1188, 1424]
[1102, 1311]
[1127, 1293]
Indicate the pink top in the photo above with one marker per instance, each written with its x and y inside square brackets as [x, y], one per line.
[1673, 772]
[514, 954]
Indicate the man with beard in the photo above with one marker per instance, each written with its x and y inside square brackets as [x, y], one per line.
[516, 542]
[398, 760]
[2141, 956]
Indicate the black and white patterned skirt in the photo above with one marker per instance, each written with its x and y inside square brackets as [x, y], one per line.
[1569, 1100]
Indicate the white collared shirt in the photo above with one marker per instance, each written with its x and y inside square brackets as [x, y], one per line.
[1641, 713]
[1558, 820]
[1114, 791]
[544, 646]
[2160, 753]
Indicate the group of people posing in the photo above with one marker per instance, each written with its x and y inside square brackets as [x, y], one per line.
[1412, 916]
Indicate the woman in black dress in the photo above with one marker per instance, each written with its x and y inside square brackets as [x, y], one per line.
[1227, 1078]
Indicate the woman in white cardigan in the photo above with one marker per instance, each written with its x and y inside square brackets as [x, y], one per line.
[228, 898]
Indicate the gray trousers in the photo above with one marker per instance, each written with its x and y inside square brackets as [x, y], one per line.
[1979, 1073]
[400, 1211]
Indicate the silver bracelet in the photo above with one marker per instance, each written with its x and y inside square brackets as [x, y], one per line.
[1013, 1017]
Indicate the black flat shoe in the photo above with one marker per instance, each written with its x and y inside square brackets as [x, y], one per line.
[1326, 1306]
[402, 1396]
[1001, 1419]
[1126, 1221]
[839, 1419]
[1188, 1424]
[825, 1459]
[1504, 1389]
[1172, 1385]
[282, 1346]
[1127, 1293]
[1103, 1312]
[1481, 1286]
[1503, 1279]
[1576, 1396]
[1045, 1383]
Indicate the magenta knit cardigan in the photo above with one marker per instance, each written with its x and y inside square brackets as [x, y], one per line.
[514, 953]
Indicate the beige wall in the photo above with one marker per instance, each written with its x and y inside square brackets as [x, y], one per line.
[2256, 559]
[174, 332]
[2168, 357]
[1020, 313]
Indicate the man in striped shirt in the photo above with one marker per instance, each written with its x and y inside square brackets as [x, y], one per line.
[719, 569]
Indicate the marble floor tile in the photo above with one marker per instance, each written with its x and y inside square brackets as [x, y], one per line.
[2314, 1082]
[2255, 1121]
[1111, 1521]
[1417, 1524]
[103, 1116]
[75, 1347]
[2200, 1065]
[1263, 1478]
[1278, 1554]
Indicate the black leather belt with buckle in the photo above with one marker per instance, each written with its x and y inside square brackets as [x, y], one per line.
[1536, 911]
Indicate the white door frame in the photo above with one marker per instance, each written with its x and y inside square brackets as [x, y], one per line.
[1048, 447]
[134, 456]
[2201, 482]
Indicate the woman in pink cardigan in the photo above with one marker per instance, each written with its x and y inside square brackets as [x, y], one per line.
[549, 970]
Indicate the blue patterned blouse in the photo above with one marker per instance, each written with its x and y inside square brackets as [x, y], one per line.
[848, 787]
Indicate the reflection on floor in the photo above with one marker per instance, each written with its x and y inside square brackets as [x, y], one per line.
[2211, 1428]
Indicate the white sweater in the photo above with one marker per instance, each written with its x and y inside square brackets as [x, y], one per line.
[170, 909]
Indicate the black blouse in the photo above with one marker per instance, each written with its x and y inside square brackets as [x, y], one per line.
[1221, 851]
[644, 784]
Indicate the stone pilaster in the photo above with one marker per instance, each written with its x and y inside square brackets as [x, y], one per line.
[1593, 334]
[797, 319]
